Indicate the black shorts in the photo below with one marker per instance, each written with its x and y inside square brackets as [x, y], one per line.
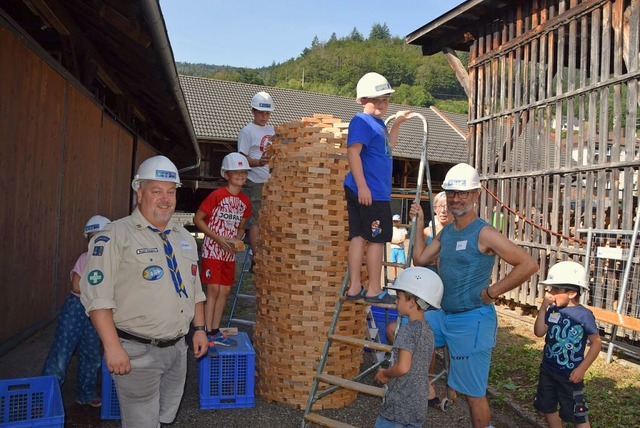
[554, 389]
[372, 223]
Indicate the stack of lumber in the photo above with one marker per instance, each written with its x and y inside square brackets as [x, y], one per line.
[301, 264]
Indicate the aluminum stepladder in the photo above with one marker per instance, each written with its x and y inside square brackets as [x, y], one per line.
[246, 265]
[355, 383]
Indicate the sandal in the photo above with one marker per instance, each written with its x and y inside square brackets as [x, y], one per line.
[360, 295]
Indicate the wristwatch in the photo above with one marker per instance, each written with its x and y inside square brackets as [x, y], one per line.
[200, 328]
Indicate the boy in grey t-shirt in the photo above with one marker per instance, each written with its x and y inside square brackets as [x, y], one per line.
[407, 396]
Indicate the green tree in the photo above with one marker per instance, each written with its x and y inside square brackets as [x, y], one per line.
[379, 32]
[412, 95]
[355, 36]
[436, 76]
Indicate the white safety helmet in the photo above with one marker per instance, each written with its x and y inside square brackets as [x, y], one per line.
[372, 85]
[262, 101]
[567, 273]
[423, 283]
[461, 177]
[158, 168]
[234, 162]
[95, 224]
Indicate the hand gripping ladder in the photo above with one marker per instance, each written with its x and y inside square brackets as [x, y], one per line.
[355, 383]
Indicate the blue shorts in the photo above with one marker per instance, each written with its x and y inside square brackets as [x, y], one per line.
[397, 255]
[470, 337]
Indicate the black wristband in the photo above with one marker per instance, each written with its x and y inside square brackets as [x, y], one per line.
[486, 290]
[200, 328]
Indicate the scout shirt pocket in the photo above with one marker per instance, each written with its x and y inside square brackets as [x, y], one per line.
[191, 257]
[152, 263]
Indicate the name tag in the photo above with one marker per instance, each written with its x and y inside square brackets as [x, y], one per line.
[554, 317]
[461, 245]
[146, 250]
[185, 245]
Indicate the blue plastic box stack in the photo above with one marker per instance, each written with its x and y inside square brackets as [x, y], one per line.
[110, 407]
[31, 402]
[226, 380]
[383, 316]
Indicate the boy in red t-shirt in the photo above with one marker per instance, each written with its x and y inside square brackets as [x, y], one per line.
[222, 217]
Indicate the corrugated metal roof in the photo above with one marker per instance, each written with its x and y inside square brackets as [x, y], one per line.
[219, 109]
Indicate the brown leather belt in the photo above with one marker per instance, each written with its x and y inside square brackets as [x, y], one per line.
[154, 342]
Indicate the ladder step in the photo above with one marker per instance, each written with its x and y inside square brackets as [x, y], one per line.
[362, 343]
[352, 385]
[325, 422]
[246, 296]
[392, 264]
[239, 321]
[363, 302]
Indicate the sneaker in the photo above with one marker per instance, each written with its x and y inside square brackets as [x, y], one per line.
[383, 297]
[96, 402]
[212, 352]
[222, 340]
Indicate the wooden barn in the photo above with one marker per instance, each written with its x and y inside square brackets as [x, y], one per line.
[89, 89]
[554, 129]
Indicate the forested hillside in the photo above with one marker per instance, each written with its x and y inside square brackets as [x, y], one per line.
[335, 65]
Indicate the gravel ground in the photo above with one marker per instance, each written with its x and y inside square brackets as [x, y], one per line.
[26, 360]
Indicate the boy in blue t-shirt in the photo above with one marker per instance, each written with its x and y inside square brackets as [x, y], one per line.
[566, 325]
[368, 185]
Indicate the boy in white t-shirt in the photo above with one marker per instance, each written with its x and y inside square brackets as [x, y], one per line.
[253, 141]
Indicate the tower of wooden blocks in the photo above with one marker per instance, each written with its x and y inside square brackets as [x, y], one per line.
[301, 265]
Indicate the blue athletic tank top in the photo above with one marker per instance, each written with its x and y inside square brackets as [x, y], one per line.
[464, 270]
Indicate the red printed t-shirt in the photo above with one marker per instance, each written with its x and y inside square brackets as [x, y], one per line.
[224, 212]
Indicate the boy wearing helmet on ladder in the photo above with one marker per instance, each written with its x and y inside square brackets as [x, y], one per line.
[221, 217]
[368, 186]
[566, 325]
[75, 331]
[467, 249]
[406, 400]
[253, 141]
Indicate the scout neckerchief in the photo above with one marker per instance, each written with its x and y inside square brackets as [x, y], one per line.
[171, 261]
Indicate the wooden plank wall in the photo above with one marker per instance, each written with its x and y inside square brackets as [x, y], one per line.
[554, 124]
[62, 161]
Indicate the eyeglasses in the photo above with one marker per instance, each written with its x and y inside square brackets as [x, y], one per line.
[462, 194]
[440, 208]
[556, 290]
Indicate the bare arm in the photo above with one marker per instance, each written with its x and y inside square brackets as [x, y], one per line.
[577, 375]
[540, 327]
[75, 283]
[490, 241]
[200, 341]
[395, 127]
[423, 255]
[115, 356]
[355, 165]
[199, 220]
[400, 368]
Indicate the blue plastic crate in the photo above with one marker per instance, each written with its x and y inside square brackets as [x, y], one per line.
[31, 402]
[110, 406]
[383, 316]
[226, 380]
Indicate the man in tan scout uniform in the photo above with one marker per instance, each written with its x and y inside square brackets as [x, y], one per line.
[141, 289]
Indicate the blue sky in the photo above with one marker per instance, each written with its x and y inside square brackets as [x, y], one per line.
[252, 33]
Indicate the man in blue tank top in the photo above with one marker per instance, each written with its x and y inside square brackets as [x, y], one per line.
[467, 322]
